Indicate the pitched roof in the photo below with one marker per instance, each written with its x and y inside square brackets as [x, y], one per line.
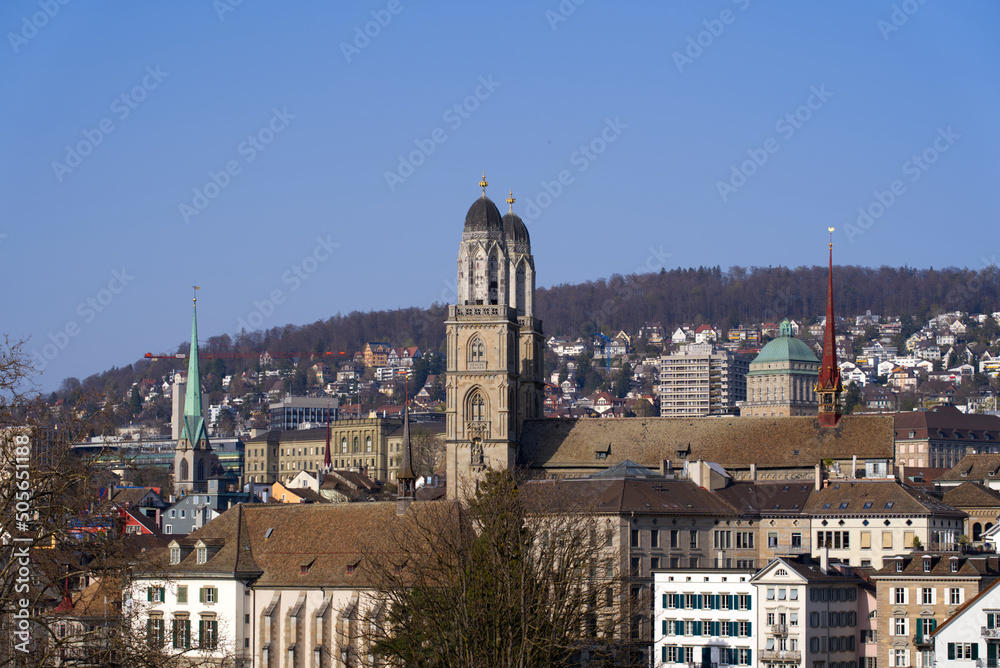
[874, 497]
[913, 565]
[974, 467]
[973, 495]
[792, 442]
[769, 498]
[622, 495]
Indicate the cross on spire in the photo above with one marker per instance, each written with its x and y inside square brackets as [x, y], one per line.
[510, 201]
[483, 183]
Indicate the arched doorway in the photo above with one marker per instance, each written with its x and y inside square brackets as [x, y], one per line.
[977, 532]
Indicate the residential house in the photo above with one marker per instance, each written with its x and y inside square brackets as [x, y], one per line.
[903, 379]
[705, 334]
[980, 503]
[971, 635]
[282, 493]
[917, 593]
[878, 398]
[705, 617]
[376, 353]
[940, 437]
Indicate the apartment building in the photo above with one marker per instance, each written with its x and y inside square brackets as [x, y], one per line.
[705, 617]
[972, 634]
[702, 379]
[916, 593]
[941, 437]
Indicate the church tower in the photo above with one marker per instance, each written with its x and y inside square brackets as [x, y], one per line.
[193, 457]
[494, 345]
[829, 386]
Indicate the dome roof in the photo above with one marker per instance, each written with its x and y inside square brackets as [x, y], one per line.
[483, 216]
[786, 349]
[514, 229]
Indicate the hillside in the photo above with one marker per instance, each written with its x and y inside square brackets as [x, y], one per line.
[702, 295]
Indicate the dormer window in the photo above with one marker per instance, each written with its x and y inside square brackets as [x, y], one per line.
[927, 565]
[202, 554]
[899, 566]
[954, 565]
[175, 554]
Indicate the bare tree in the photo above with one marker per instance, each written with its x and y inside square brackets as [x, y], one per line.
[506, 579]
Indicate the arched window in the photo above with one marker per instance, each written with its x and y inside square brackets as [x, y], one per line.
[477, 350]
[477, 407]
[355, 444]
[184, 470]
[201, 470]
[368, 444]
[343, 444]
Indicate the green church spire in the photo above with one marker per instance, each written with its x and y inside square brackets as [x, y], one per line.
[192, 399]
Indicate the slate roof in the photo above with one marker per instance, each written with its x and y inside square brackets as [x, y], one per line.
[973, 495]
[623, 495]
[768, 499]
[913, 566]
[850, 498]
[952, 421]
[792, 442]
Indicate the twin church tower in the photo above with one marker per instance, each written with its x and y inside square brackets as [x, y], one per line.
[494, 346]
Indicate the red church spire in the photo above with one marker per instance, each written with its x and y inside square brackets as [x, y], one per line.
[829, 385]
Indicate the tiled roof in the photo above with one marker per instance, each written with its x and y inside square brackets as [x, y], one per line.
[768, 498]
[295, 544]
[622, 495]
[973, 467]
[737, 442]
[913, 565]
[973, 495]
[877, 497]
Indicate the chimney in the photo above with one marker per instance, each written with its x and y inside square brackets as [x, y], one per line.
[819, 478]
[753, 473]
[824, 560]
[854, 466]
[902, 473]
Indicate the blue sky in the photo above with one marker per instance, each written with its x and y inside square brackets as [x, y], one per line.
[296, 167]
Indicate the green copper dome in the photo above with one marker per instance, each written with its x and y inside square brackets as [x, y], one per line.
[785, 349]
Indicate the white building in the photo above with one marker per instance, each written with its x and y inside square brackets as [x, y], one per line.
[705, 617]
[972, 633]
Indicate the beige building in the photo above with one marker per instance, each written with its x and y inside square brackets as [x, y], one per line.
[370, 445]
[781, 381]
[916, 593]
[702, 379]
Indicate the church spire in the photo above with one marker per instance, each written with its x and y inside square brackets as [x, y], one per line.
[829, 385]
[510, 201]
[483, 183]
[192, 398]
[406, 481]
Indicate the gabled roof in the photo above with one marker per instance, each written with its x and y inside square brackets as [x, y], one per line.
[874, 497]
[974, 467]
[973, 495]
[792, 442]
[627, 469]
[626, 495]
[987, 591]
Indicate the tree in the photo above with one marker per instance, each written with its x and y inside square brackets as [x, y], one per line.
[505, 579]
[852, 398]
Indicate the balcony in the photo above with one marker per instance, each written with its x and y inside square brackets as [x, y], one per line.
[990, 634]
[780, 630]
[780, 655]
[920, 640]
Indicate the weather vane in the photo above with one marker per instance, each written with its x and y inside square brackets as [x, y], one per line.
[830, 230]
[196, 288]
[511, 200]
[483, 183]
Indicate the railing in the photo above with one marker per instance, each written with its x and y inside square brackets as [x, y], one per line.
[780, 655]
[779, 629]
[922, 640]
[992, 634]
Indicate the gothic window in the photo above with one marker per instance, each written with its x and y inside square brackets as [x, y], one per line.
[201, 470]
[520, 290]
[184, 470]
[477, 350]
[477, 407]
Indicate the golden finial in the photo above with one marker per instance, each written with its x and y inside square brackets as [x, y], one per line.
[830, 230]
[196, 294]
[511, 200]
[483, 183]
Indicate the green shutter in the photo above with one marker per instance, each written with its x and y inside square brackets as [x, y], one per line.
[679, 628]
[975, 651]
[749, 630]
[696, 628]
[215, 594]
[697, 601]
[951, 651]
[175, 627]
[933, 625]
[733, 602]
[201, 595]
[713, 601]
[665, 622]
[749, 658]
[749, 602]
[201, 633]
[149, 594]
[991, 621]
[665, 600]
[663, 657]
[149, 631]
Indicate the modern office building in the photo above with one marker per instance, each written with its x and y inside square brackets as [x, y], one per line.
[702, 379]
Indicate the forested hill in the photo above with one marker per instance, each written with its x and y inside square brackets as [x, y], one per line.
[702, 295]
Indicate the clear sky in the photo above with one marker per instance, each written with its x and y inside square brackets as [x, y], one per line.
[265, 149]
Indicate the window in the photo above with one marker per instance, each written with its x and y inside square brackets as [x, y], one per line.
[927, 565]
[963, 650]
[744, 629]
[654, 538]
[793, 619]
[772, 539]
[694, 539]
[202, 555]
[674, 537]
[899, 595]
[900, 657]
[208, 633]
[181, 629]
[900, 626]
[955, 596]
[343, 444]
[368, 444]
[887, 540]
[635, 538]
[636, 566]
[869, 636]
[793, 594]
[744, 601]
[183, 513]
[155, 594]
[744, 540]
[927, 596]
[175, 555]
[954, 565]
[654, 563]
[770, 593]
[154, 631]
[182, 594]
[209, 595]
[796, 540]
[722, 540]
